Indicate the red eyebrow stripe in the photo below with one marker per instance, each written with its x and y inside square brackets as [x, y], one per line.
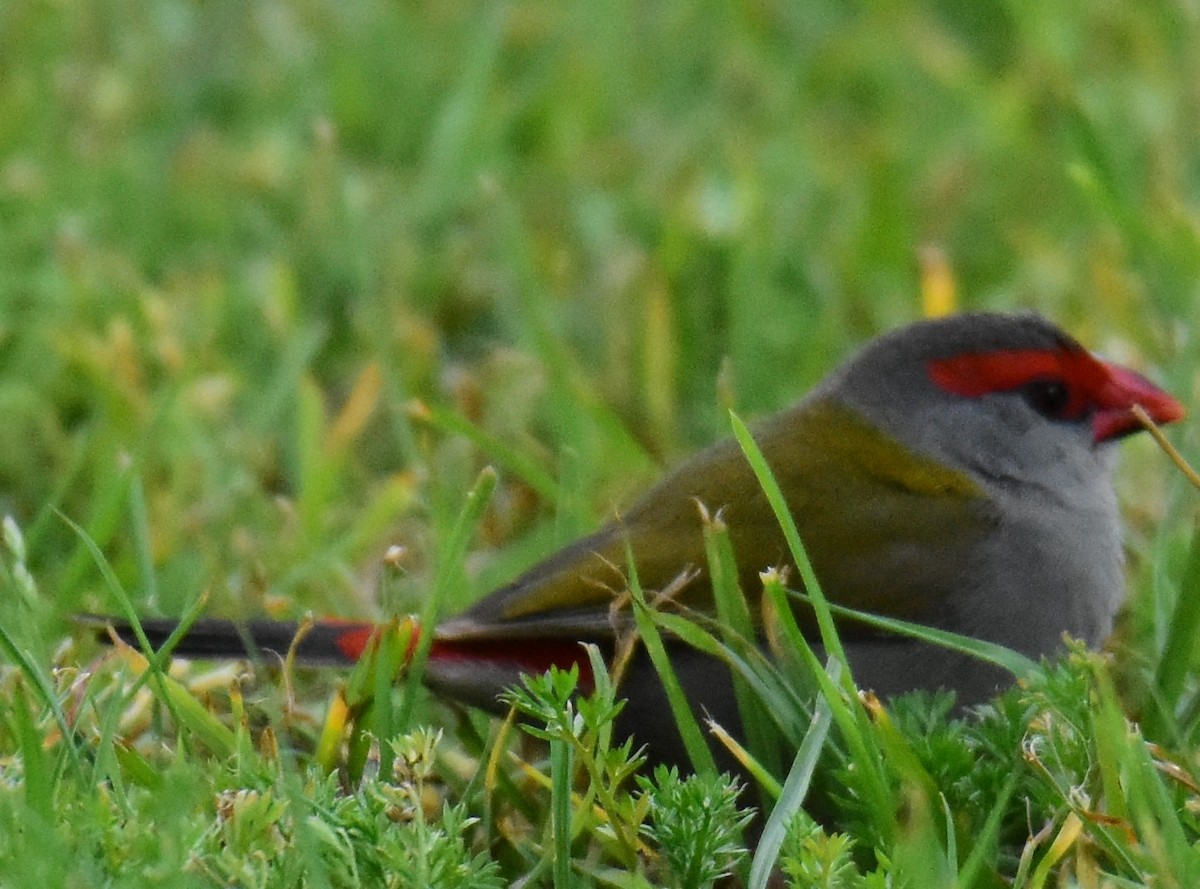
[981, 373]
[1107, 391]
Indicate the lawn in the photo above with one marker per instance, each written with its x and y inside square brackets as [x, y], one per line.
[283, 284]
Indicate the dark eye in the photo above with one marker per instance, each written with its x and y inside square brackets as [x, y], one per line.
[1050, 398]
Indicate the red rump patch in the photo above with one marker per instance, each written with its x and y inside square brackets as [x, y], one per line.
[1105, 391]
[353, 642]
[533, 656]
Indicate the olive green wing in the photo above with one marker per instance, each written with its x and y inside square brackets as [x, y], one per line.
[869, 512]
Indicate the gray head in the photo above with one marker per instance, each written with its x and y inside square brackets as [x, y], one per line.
[1010, 399]
[1030, 416]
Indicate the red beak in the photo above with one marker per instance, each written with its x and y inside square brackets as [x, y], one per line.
[1116, 398]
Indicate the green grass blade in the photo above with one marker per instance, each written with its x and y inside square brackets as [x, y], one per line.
[189, 714]
[1179, 655]
[1141, 796]
[1012, 661]
[851, 718]
[685, 720]
[733, 617]
[505, 455]
[140, 520]
[768, 686]
[185, 709]
[795, 789]
[450, 556]
[766, 480]
[36, 767]
[984, 843]
[848, 713]
[560, 805]
[38, 680]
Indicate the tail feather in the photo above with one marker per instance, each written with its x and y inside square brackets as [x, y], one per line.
[327, 643]
[471, 670]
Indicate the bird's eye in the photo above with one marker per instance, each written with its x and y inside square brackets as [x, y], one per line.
[1050, 398]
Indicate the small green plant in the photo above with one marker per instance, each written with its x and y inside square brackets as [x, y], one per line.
[696, 824]
[811, 858]
[579, 732]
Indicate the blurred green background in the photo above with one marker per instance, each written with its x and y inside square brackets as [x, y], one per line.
[278, 278]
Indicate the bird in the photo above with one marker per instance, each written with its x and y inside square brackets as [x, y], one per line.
[956, 472]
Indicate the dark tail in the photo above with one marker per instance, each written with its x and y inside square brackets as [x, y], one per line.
[472, 670]
[326, 643]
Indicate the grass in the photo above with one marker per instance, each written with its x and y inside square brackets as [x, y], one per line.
[279, 281]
